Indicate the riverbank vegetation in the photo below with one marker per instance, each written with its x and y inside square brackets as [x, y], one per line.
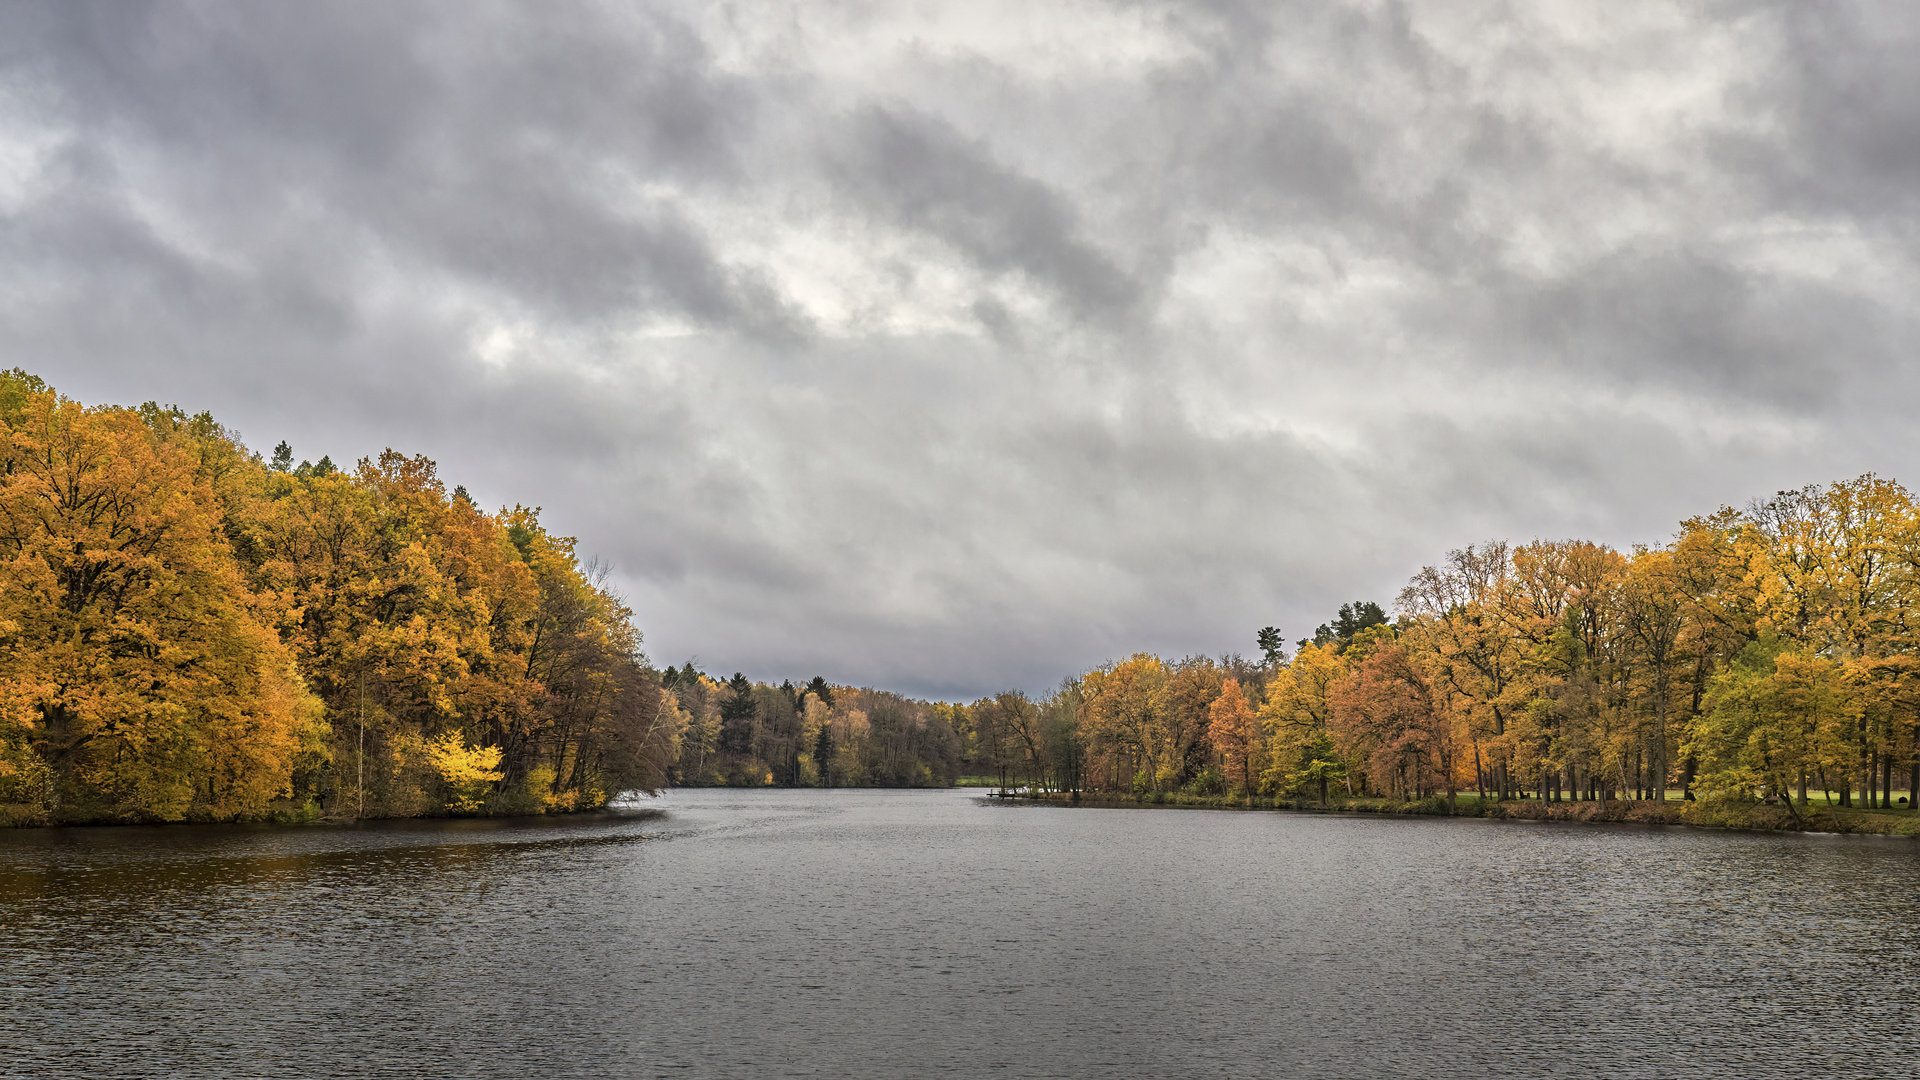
[190, 631]
[1760, 657]
[1823, 816]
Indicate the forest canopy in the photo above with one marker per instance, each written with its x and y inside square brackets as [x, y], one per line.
[191, 632]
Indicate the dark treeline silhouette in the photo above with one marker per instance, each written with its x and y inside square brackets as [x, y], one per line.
[742, 733]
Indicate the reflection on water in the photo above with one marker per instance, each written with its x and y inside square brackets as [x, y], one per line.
[729, 933]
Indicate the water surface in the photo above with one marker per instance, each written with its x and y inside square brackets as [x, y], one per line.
[862, 933]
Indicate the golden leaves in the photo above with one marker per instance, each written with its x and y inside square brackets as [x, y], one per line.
[134, 669]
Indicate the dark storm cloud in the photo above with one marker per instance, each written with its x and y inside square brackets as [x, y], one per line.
[918, 171]
[956, 347]
[1849, 98]
[1695, 324]
[488, 156]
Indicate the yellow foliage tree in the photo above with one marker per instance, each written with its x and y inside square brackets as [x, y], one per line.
[1126, 716]
[468, 772]
[133, 664]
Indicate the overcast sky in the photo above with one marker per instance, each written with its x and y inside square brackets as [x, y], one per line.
[954, 347]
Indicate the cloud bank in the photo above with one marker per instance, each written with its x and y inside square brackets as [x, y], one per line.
[956, 347]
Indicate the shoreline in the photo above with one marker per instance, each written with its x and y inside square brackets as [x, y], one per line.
[318, 821]
[1758, 817]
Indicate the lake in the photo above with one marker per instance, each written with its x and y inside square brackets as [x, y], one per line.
[937, 933]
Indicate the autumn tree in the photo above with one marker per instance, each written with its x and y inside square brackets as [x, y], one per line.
[137, 679]
[1235, 732]
[1298, 707]
[1461, 601]
[1126, 714]
[1389, 714]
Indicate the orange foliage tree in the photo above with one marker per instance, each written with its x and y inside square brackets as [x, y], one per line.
[1235, 731]
[137, 679]
[188, 632]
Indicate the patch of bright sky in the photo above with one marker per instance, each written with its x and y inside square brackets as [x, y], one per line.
[1635, 78]
[27, 149]
[849, 278]
[849, 275]
[145, 190]
[862, 42]
[845, 276]
[1308, 329]
[499, 344]
[1878, 268]
[1632, 88]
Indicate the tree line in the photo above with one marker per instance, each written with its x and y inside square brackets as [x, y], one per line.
[190, 631]
[1764, 653]
[746, 734]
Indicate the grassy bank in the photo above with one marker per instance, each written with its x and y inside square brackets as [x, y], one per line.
[1818, 818]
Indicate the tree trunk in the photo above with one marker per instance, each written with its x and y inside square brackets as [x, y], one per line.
[1660, 747]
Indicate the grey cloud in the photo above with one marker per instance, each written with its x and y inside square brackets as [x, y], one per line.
[1218, 331]
[927, 176]
[1848, 95]
[368, 89]
[499, 157]
[1266, 158]
[1695, 324]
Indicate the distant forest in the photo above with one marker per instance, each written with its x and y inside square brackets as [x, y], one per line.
[740, 733]
[190, 630]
